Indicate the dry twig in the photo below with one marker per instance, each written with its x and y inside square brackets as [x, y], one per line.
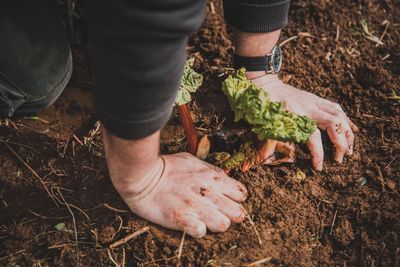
[12, 254]
[157, 260]
[333, 222]
[123, 257]
[212, 7]
[337, 33]
[387, 23]
[32, 171]
[73, 222]
[129, 237]
[114, 209]
[288, 40]
[181, 246]
[77, 139]
[267, 259]
[47, 218]
[254, 226]
[391, 161]
[112, 259]
[380, 177]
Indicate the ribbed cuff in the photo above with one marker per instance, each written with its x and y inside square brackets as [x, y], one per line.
[134, 129]
[257, 16]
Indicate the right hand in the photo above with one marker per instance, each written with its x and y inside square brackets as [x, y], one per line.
[329, 116]
[192, 196]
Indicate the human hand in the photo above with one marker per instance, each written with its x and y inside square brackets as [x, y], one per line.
[188, 195]
[329, 116]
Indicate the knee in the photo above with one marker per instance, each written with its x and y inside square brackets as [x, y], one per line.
[24, 101]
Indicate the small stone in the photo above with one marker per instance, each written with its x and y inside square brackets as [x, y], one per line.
[300, 176]
[391, 184]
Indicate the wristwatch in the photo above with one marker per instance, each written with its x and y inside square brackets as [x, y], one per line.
[270, 63]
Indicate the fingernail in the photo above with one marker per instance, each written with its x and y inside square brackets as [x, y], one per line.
[338, 157]
[350, 151]
[319, 167]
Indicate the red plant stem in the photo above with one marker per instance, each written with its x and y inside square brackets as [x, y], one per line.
[190, 131]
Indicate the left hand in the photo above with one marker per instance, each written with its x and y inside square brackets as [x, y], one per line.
[329, 116]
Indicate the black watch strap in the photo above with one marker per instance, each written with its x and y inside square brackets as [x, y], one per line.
[252, 63]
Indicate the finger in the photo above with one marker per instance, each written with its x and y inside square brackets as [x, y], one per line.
[330, 107]
[353, 126]
[337, 135]
[336, 110]
[231, 188]
[191, 225]
[230, 209]
[350, 139]
[214, 219]
[324, 119]
[314, 144]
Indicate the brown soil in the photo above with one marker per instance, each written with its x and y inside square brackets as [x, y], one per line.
[347, 215]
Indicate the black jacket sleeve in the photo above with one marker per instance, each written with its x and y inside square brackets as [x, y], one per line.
[257, 15]
[138, 53]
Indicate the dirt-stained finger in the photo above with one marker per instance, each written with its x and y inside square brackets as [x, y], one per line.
[335, 109]
[230, 208]
[344, 127]
[233, 189]
[215, 220]
[230, 187]
[350, 139]
[191, 225]
[337, 135]
[330, 107]
[314, 144]
[353, 126]
[336, 113]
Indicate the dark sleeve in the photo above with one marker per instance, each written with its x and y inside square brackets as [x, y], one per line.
[257, 15]
[138, 52]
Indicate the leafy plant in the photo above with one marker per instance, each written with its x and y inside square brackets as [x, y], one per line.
[190, 82]
[269, 119]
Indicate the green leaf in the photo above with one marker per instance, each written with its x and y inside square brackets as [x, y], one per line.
[60, 226]
[364, 25]
[190, 82]
[269, 119]
[363, 181]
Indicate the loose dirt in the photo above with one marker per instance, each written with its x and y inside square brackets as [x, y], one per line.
[346, 215]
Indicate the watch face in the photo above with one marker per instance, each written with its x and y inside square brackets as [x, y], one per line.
[276, 59]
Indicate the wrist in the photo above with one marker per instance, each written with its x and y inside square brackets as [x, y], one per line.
[257, 53]
[254, 44]
[261, 77]
[130, 161]
[271, 83]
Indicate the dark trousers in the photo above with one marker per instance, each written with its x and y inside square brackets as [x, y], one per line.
[138, 52]
[35, 58]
